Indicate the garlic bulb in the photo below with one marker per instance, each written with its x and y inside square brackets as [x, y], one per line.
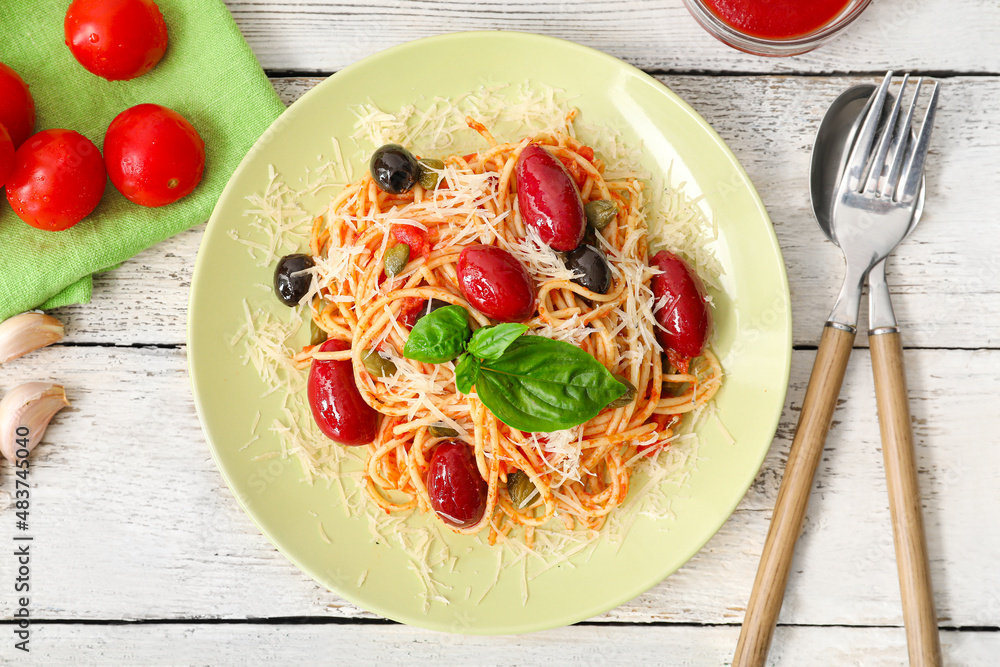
[26, 332]
[25, 413]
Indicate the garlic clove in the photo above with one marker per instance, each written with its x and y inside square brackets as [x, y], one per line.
[28, 407]
[26, 332]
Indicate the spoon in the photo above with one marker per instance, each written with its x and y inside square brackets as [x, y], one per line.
[834, 140]
[865, 245]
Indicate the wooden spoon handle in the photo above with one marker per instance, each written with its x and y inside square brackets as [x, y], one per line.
[904, 500]
[790, 507]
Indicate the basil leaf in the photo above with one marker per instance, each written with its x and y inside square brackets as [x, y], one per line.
[543, 385]
[439, 336]
[466, 373]
[490, 342]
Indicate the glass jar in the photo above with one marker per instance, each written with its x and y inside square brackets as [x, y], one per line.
[768, 46]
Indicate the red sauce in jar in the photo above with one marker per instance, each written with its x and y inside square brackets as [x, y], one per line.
[776, 19]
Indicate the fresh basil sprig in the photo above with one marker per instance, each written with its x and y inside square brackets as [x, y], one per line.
[543, 385]
[439, 336]
[490, 342]
[466, 372]
[530, 383]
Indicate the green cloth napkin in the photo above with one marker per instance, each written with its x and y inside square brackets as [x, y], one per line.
[208, 75]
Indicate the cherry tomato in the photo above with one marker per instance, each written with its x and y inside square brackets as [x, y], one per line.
[457, 490]
[154, 156]
[548, 199]
[413, 237]
[6, 156]
[411, 310]
[17, 107]
[337, 406]
[58, 179]
[681, 309]
[116, 39]
[495, 283]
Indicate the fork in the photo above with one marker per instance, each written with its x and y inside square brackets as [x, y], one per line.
[889, 195]
[872, 211]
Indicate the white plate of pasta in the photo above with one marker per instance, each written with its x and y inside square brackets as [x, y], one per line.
[463, 397]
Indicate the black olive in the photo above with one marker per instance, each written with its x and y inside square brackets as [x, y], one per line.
[430, 307]
[594, 267]
[394, 169]
[289, 284]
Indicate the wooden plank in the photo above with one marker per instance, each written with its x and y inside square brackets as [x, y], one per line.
[324, 36]
[950, 261]
[399, 645]
[132, 519]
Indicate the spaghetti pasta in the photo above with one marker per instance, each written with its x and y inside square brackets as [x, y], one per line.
[580, 475]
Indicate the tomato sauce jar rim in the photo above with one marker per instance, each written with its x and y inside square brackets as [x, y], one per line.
[774, 47]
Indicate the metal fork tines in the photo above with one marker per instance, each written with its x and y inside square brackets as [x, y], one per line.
[888, 176]
[874, 204]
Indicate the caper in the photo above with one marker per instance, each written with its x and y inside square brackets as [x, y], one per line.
[429, 177]
[439, 430]
[394, 169]
[625, 398]
[317, 336]
[291, 282]
[378, 365]
[600, 213]
[520, 489]
[396, 259]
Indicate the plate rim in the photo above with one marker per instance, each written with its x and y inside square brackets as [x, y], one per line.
[710, 528]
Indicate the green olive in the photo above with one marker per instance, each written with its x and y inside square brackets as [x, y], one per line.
[317, 336]
[625, 398]
[520, 489]
[378, 365]
[600, 213]
[429, 179]
[439, 430]
[396, 259]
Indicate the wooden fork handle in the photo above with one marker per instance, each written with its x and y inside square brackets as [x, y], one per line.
[793, 496]
[904, 500]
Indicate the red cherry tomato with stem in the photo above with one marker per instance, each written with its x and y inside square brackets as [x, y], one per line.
[153, 154]
[17, 107]
[548, 199]
[681, 309]
[116, 39]
[58, 179]
[456, 489]
[337, 406]
[495, 283]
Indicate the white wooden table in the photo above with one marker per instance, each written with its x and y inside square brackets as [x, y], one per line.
[142, 555]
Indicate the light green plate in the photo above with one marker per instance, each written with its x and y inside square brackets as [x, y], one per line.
[753, 338]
